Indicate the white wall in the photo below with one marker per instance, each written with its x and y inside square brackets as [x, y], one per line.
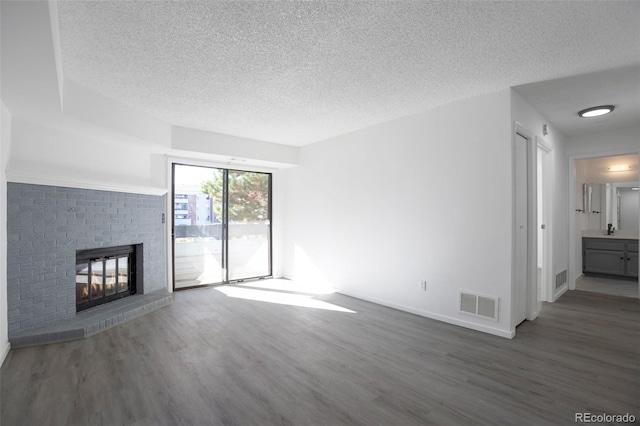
[531, 119]
[95, 108]
[426, 197]
[595, 170]
[5, 137]
[260, 152]
[46, 152]
[619, 141]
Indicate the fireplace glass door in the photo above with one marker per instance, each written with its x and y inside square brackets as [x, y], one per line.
[103, 275]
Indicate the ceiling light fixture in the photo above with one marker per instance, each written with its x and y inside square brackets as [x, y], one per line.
[621, 168]
[596, 111]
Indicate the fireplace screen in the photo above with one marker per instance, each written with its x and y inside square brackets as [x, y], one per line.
[103, 275]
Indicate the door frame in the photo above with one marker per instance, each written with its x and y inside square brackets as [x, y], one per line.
[574, 248]
[528, 242]
[547, 283]
[168, 218]
[533, 304]
[226, 227]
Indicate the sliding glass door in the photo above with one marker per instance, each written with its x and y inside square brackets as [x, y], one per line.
[221, 225]
[249, 212]
[197, 226]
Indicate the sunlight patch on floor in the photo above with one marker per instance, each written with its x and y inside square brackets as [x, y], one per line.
[297, 286]
[269, 296]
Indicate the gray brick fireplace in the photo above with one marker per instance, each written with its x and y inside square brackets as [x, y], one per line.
[47, 225]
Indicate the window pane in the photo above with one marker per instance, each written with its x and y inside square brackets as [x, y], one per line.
[97, 274]
[110, 277]
[197, 219]
[123, 274]
[249, 224]
[82, 283]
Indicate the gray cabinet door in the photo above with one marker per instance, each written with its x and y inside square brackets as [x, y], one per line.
[632, 264]
[604, 262]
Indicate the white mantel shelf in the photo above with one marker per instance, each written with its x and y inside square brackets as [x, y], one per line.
[83, 184]
[622, 234]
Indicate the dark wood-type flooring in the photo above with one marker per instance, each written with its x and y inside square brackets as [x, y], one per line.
[607, 285]
[211, 359]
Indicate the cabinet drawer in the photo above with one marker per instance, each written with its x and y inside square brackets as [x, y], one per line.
[597, 244]
[632, 247]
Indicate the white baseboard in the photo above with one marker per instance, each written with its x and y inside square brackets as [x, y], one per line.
[562, 290]
[572, 286]
[431, 315]
[4, 353]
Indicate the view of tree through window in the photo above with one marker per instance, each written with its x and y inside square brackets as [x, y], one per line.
[248, 196]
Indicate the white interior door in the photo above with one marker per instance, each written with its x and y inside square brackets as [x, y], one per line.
[546, 288]
[543, 263]
[521, 231]
[541, 226]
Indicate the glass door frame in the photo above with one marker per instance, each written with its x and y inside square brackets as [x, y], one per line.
[225, 223]
[172, 233]
[270, 214]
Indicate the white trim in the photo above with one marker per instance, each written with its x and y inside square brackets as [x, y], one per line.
[572, 275]
[542, 143]
[603, 154]
[547, 185]
[532, 224]
[3, 356]
[231, 165]
[562, 290]
[57, 49]
[188, 161]
[443, 318]
[517, 128]
[83, 184]
[169, 222]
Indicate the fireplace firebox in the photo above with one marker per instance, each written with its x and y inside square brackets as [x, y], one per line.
[107, 274]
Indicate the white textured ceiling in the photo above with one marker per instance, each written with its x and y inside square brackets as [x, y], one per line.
[298, 72]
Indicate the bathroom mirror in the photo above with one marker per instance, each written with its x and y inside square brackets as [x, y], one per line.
[615, 203]
[587, 190]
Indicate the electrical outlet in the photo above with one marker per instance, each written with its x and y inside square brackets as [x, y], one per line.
[423, 285]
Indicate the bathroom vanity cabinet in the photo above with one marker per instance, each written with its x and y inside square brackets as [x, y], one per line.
[610, 256]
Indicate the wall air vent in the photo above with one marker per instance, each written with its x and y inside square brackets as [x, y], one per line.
[478, 305]
[561, 279]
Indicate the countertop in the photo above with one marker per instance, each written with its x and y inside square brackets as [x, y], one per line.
[622, 234]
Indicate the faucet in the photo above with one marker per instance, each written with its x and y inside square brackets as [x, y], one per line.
[610, 229]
